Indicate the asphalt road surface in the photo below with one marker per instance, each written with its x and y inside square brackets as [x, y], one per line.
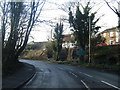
[52, 75]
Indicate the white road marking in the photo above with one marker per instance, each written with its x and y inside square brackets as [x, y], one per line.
[110, 85]
[86, 74]
[73, 74]
[31, 79]
[85, 84]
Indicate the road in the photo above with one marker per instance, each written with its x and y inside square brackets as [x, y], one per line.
[52, 75]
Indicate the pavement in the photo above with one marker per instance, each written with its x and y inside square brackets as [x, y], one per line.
[19, 78]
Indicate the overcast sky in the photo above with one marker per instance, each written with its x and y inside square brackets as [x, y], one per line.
[51, 12]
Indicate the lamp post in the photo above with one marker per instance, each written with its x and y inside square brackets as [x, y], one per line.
[89, 37]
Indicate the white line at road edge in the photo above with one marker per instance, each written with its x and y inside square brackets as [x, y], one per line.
[31, 79]
[110, 85]
[85, 84]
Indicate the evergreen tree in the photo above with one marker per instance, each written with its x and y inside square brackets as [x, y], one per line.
[82, 22]
[58, 39]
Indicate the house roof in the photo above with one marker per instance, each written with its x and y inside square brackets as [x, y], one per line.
[67, 37]
[111, 29]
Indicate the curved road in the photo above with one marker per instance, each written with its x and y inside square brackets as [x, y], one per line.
[52, 75]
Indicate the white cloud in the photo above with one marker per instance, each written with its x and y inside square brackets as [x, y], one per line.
[51, 12]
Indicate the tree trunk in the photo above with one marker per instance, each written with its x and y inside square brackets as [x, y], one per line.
[10, 61]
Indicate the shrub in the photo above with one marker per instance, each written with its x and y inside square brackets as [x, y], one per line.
[63, 54]
[49, 50]
[112, 60]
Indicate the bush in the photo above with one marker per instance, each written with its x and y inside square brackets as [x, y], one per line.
[112, 60]
[100, 59]
[49, 50]
[35, 54]
[106, 55]
[63, 54]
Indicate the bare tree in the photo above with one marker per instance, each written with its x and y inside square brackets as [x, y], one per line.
[114, 9]
[20, 18]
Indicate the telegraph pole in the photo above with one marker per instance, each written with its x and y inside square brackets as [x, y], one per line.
[89, 37]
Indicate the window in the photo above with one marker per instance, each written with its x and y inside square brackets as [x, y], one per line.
[111, 34]
[104, 34]
[117, 39]
[111, 42]
[117, 34]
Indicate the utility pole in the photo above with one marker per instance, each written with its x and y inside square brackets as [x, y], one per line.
[89, 37]
[51, 34]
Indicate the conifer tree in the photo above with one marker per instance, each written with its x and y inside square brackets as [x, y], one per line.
[58, 39]
[80, 22]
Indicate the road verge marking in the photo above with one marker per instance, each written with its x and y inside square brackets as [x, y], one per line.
[85, 84]
[110, 85]
[31, 79]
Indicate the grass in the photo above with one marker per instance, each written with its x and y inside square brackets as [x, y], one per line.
[34, 55]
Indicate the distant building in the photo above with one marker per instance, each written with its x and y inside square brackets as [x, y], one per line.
[112, 35]
[37, 45]
[69, 41]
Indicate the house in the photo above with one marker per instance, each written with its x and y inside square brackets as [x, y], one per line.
[112, 36]
[69, 41]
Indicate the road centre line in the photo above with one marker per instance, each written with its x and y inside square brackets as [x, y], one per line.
[110, 84]
[86, 74]
[73, 74]
[85, 84]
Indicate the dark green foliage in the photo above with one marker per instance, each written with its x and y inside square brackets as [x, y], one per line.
[96, 41]
[82, 22]
[49, 50]
[58, 39]
[107, 55]
[64, 54]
